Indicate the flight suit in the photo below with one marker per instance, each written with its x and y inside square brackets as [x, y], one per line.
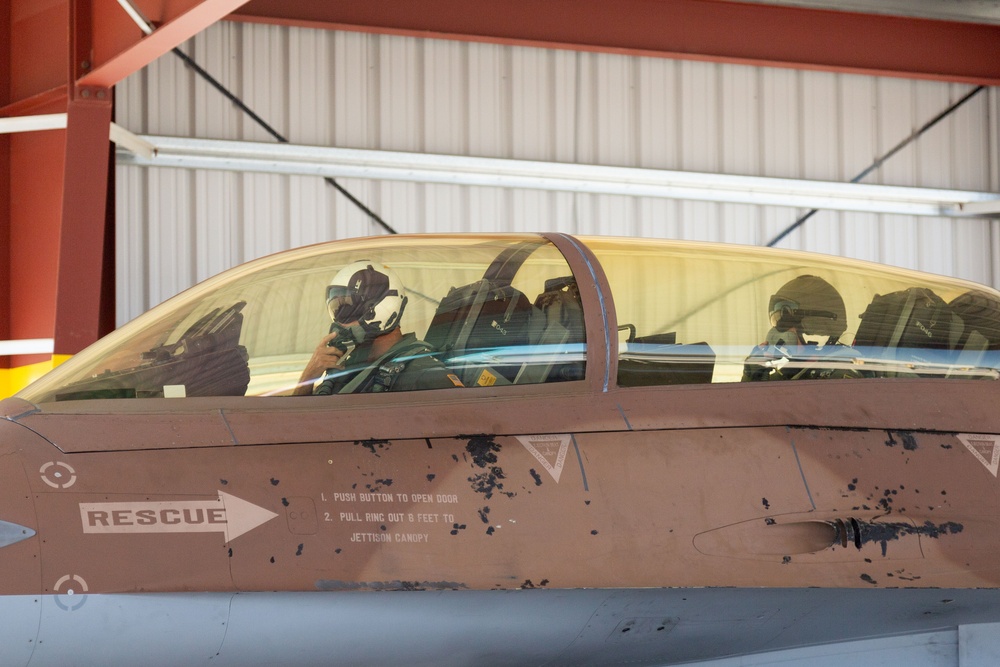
[409, 365]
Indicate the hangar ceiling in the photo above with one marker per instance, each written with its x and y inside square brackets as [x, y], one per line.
[972, 11]
[759, 33]
[56, 276]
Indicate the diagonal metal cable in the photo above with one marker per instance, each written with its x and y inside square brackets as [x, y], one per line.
[241, 105]
[147, 28]
[880, 161]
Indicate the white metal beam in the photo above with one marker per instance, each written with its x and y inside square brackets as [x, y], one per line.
[131, 142]
[49, 121]
[57, 121]
[988, 207]
[26, 346]
[495, 172]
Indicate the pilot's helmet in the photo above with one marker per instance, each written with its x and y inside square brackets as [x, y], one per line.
[368, 293]
[809, 304]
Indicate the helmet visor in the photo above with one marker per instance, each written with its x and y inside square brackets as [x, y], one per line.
[785, 314]
[343, 305]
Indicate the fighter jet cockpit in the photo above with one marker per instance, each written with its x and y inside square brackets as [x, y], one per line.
[489, 310]
[496, 311]
[700, 312]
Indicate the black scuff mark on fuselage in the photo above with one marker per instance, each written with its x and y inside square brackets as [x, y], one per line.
[883, 533]
[397, 585]
[481, 448]
[377, 486]
[908, 440]
[489, 482]
[885, 502]
[483, 451]
[813, 427]
[275, 482]
[535, 476]
[373, 445]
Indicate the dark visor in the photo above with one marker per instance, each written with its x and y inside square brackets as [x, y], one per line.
[340, 304]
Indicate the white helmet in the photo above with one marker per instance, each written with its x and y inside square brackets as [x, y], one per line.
[368, 293]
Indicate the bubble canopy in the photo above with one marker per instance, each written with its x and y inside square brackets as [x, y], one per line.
[505, 311]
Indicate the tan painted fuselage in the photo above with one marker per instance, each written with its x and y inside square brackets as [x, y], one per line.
[722, 486]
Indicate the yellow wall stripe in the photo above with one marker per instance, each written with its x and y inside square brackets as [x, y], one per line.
[13, 380]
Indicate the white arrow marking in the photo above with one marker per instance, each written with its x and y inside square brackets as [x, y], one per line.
[228, 514]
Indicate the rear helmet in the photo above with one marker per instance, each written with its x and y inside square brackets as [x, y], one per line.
[811, 305]
[368, 293]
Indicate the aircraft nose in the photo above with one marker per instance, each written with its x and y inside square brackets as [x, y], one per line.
[16, 507]
[12, 533]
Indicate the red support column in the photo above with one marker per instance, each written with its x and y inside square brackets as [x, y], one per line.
[4, 192]
[56, 187]
[83, 266]
[34, 48]
[82, 263]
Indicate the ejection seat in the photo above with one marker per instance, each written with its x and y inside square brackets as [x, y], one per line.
[914, 327]
[980, 339]
[488, 333]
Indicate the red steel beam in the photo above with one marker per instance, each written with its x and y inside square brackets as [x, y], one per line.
[31, 105]
[82, 262]
[33, 41]
[37, 46]
[35, 208]
[83, 266]
[175, 23]
[86, 262]
[4, 185]
[104, 49]
[712, 30]
[56, 224]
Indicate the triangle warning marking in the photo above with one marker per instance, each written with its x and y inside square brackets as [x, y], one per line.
[549, 450]
[984, 447]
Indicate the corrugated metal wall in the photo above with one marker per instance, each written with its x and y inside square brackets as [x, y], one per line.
[401, 93]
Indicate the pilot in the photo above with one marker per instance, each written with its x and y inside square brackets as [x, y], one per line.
[365, 350]
[804, 306]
